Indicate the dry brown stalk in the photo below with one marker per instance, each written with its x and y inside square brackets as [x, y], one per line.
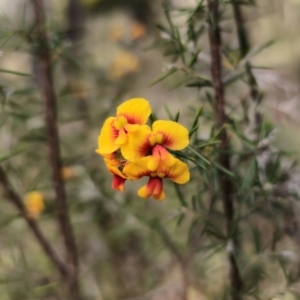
[43, 54]
[226, 184]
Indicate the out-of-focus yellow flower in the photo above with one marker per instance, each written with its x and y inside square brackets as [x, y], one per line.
[67, 173]
[123, 64]
[115, 33]
[34, 203]
[137, 30]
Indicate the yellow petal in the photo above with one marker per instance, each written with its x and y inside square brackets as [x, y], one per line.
[107, 137]
[115, 171]
[160, 155]
[119, 122]
[138, 169]
[122, 138]
[136, 110]
[153, 163]
[175, 136]
[110, 160]
[169, 160]
[137, 145]
[144, 192]
[115, 165]
[178, 173]
[131, 127]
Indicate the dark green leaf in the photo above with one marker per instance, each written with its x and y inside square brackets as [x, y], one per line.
[250, 176]
[198, 114]
[198, 8]
[199, 155]
[214, 230]
[224, 170]
[163, 76]
[164, 29]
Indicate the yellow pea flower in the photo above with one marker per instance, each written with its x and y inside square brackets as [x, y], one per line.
[132, 150]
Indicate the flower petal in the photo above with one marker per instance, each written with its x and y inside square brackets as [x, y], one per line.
[131, 127]
[136, 110]
[153, 163]
[153, 187]
[158, 188]
[115, 170]
[122, 138]
[175, 136]
[144, 192]
[160, 156]
[178, 173]
[107, 137]
[137, 145]
[138, 169]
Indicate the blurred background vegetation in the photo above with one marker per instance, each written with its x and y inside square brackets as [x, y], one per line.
[104, 52]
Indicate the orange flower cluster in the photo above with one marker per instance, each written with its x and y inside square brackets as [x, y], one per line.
[132, 150]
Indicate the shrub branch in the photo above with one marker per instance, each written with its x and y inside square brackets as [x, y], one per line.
[14, 198]
[47, 86]
[226, 184]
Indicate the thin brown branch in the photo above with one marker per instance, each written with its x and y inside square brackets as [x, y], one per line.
[14, 198]
[226, 184]
[75, 17]
[47, 86]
